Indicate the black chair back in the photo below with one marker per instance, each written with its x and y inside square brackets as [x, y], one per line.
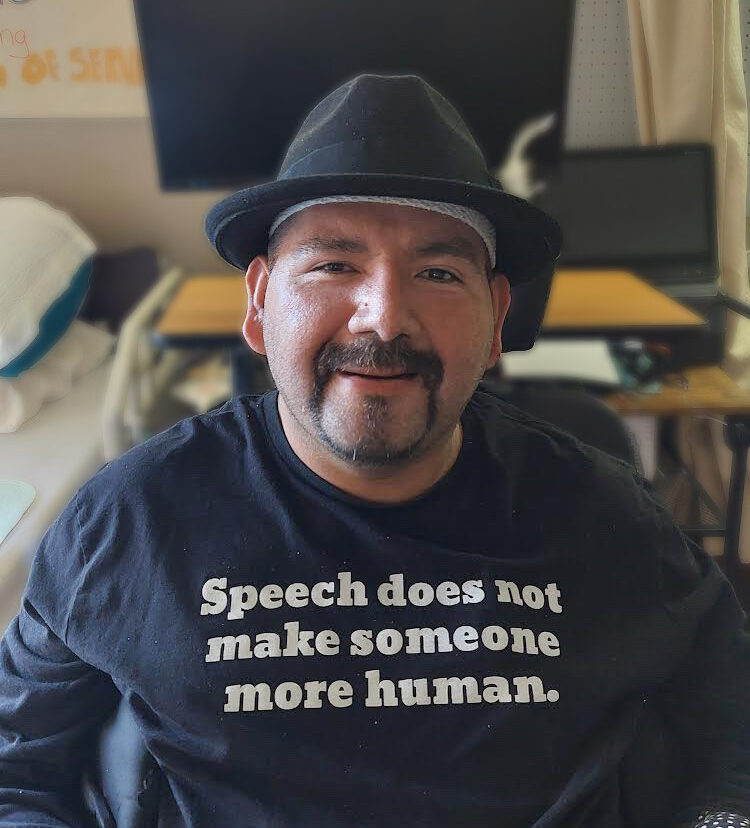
[526, 312]
[576, 411]
[118, 282]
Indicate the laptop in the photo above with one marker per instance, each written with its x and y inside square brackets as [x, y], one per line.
[650, 210]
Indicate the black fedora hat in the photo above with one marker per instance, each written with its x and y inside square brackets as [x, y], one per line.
[386, 135]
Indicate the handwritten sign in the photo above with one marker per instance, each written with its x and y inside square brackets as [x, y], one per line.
[61, 59]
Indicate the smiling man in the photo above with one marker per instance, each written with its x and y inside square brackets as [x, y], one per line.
[378, 596]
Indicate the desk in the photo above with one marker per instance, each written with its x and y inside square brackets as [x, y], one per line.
[619, 303]
[700, 390]
[704, 390]
[208, 311]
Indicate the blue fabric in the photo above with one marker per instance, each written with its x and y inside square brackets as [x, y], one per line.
[55, 322]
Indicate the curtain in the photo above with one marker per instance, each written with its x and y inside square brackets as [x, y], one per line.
[689, 86]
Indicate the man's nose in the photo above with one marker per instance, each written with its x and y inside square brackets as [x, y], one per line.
[383, 305]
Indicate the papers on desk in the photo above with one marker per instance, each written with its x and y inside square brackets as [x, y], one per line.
[205, 385]
[579, 360]
[15, 498]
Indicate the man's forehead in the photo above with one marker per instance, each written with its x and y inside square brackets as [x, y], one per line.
[417, 229]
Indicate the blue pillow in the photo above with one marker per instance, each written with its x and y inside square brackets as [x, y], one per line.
[54, 323]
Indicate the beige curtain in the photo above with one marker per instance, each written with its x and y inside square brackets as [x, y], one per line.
[689, 86]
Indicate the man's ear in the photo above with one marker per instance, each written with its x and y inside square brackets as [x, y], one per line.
[256, 280]
[501, 298]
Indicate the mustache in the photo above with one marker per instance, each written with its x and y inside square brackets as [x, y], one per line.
[373, 353]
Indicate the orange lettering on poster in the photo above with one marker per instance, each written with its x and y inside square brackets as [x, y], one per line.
[50, 58]
[36, 68]
[120, 67]
[110, 65]
[77, 56]
[95, 59]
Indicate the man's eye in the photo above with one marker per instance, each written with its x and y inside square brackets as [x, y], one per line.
[437, 274]
[332, 267]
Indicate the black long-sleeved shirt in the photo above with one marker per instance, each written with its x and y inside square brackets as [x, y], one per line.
[532, 642]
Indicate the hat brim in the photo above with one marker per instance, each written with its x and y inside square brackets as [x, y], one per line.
[528, 239]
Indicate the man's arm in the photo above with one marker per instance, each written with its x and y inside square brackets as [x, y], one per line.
[51, 705]
[707, 700]
[51, 702]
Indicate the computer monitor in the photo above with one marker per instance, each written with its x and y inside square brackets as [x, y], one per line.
[649, 209]
[229, 81]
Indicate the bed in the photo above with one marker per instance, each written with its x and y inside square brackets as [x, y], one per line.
[59, 448]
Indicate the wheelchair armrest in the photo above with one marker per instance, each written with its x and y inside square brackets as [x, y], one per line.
[123, 788]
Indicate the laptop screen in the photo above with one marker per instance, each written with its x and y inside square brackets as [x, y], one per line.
[640, 205]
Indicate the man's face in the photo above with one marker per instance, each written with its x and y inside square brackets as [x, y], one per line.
[378, 322]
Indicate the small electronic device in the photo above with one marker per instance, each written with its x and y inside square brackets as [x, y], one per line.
[651, 210]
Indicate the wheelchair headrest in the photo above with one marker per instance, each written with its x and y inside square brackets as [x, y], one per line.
[527, 306]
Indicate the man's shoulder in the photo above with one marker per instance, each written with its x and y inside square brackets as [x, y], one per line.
[191, 451]
[546, 459]
[505, 419]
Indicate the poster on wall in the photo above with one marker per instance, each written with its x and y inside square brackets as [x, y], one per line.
[70, 59]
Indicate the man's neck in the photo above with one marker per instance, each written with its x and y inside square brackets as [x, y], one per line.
[380, 484]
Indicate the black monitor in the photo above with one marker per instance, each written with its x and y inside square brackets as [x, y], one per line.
[229, 81]
[650, 209]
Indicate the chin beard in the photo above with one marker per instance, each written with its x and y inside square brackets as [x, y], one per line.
[374, 449]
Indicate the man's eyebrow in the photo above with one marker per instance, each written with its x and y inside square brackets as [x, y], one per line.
[323, 244]
[457, 246]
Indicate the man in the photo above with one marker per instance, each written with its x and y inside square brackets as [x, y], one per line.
[378, 597]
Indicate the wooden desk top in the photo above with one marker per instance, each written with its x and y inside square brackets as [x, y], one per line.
[708, 390]
[214, 306]
[611, 298]
[207, 306]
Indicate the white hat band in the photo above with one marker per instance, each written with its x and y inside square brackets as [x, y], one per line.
[478, 222]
